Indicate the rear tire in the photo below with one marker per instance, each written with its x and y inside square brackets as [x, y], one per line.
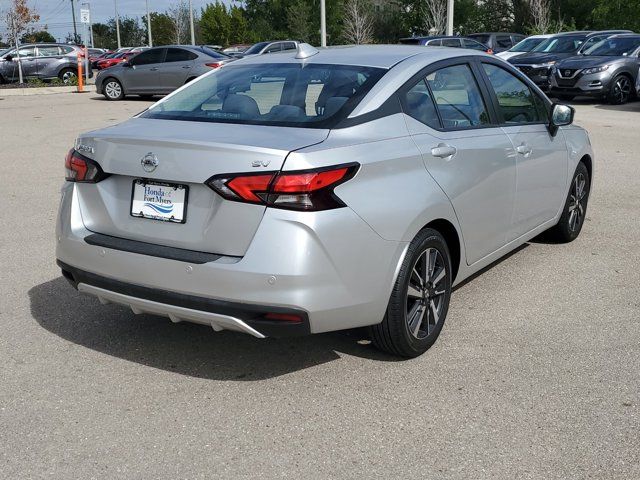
[420, 298]
[112, 89]
[146, 97]
[575, 208]
[67, 74]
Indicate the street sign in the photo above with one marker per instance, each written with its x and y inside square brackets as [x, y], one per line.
[85, 15]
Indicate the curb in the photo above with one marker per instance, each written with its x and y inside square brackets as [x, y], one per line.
[12, 92]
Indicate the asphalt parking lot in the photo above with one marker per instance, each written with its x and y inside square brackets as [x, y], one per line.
[536, 373]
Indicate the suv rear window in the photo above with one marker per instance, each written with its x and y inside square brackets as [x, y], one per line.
[312, 96]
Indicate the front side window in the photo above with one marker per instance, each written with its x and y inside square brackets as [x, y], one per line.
[311, 95]
[516, 100]
[148, 57]
[418, 103]
[27, 52]
[435, 43]
[451, 42]
[473, 45]
[276, 47]
[458, 97]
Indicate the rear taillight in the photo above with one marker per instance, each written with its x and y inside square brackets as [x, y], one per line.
[213, 64]
[79, 168]
[300, 190]
[489, 51]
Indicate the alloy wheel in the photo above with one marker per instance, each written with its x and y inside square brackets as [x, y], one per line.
[68, 76]
[425, 299]
[577, 202]
[621, 90]
[113, 89]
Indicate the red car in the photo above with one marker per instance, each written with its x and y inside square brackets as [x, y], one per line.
[116, 59]
[94, 59]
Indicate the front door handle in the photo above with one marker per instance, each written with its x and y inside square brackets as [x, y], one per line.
[153, 69]
[524, 149]
[186, 66]
[443, 151]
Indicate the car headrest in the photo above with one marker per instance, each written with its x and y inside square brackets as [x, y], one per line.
[241, 104]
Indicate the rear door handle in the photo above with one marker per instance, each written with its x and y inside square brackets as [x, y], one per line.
[153, 69]
[443, 151]
[524, 149]
[186, 66]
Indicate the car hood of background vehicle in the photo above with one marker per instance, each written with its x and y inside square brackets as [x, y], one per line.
[538, 58]
[586, 61]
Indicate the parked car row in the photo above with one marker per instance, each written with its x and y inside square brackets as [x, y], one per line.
[45, 61]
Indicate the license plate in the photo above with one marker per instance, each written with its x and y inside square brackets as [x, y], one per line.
[159, 201]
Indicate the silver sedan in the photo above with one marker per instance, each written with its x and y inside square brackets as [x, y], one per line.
[312, 191]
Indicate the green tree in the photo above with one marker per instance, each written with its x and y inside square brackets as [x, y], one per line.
[238, 26]
[161, 29]
[104, 36]
[299, 23]
[41, 36]
[608, 14]
[215, 24]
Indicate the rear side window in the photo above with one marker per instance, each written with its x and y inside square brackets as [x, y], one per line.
[503, 41]
[458, 97]
[434, 43]
[50, 51]
[418, 103]
[276, 47]
[473, 45]
[66, 50]
[311, 95]
[517, 102]
[179, 55]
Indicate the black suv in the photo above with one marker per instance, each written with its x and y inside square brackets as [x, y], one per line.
[608, 69]
[537, 63]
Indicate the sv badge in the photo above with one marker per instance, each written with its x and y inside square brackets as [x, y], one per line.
[260, 163]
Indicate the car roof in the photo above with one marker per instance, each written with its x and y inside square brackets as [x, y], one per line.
[381, 56]
[496, 33]
[626, 35]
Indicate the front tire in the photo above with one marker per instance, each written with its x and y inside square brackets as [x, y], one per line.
[620, 90]
[420, 298]
[575, 208]
[112, 89]
[566, 98]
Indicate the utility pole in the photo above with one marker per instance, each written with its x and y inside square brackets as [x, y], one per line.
[115, 3]
[73, 14]
[323, 23]
[449, 17]
[193, 35]
[15, 39]
[150, 40]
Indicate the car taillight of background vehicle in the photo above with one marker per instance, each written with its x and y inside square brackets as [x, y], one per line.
[307, 190]
[213, 64]
[79, 168]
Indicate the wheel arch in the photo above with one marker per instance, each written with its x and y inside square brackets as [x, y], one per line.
[451, 236]
[111, 76]
[586, 159]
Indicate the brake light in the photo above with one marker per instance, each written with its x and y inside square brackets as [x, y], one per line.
[213, 64]
[309, 190]
[79, 168]
[489, 51]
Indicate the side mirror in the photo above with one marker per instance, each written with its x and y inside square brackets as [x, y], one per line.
[561, 115]
[8, 58]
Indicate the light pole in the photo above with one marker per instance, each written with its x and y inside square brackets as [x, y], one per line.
[323, 24]
[149, 26]
[115, 4]
[193, 35]
[449, 17]
[73, 14]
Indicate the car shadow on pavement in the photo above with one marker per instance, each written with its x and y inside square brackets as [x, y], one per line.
[184, 348]
[132, 98]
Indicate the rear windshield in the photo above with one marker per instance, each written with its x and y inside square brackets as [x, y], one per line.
[560, 45]
[290, 94]
[212, 53]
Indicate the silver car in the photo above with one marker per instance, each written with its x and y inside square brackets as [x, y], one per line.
[157, 71]
[45, 61]
[310, 191]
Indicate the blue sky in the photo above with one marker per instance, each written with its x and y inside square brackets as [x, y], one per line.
[56, 14]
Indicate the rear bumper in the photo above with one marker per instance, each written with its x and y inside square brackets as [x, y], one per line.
[329, 267]
[221, 315]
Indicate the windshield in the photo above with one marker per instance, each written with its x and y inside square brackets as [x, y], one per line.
[290, 94]
[526, 45]
[560, 45]
[614, 47]
[255, 48]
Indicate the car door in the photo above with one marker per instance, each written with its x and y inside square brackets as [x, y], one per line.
[541, 159]
[46, 56]
[28, 60]
[143, 76]
[177, 68]
[465, 151]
